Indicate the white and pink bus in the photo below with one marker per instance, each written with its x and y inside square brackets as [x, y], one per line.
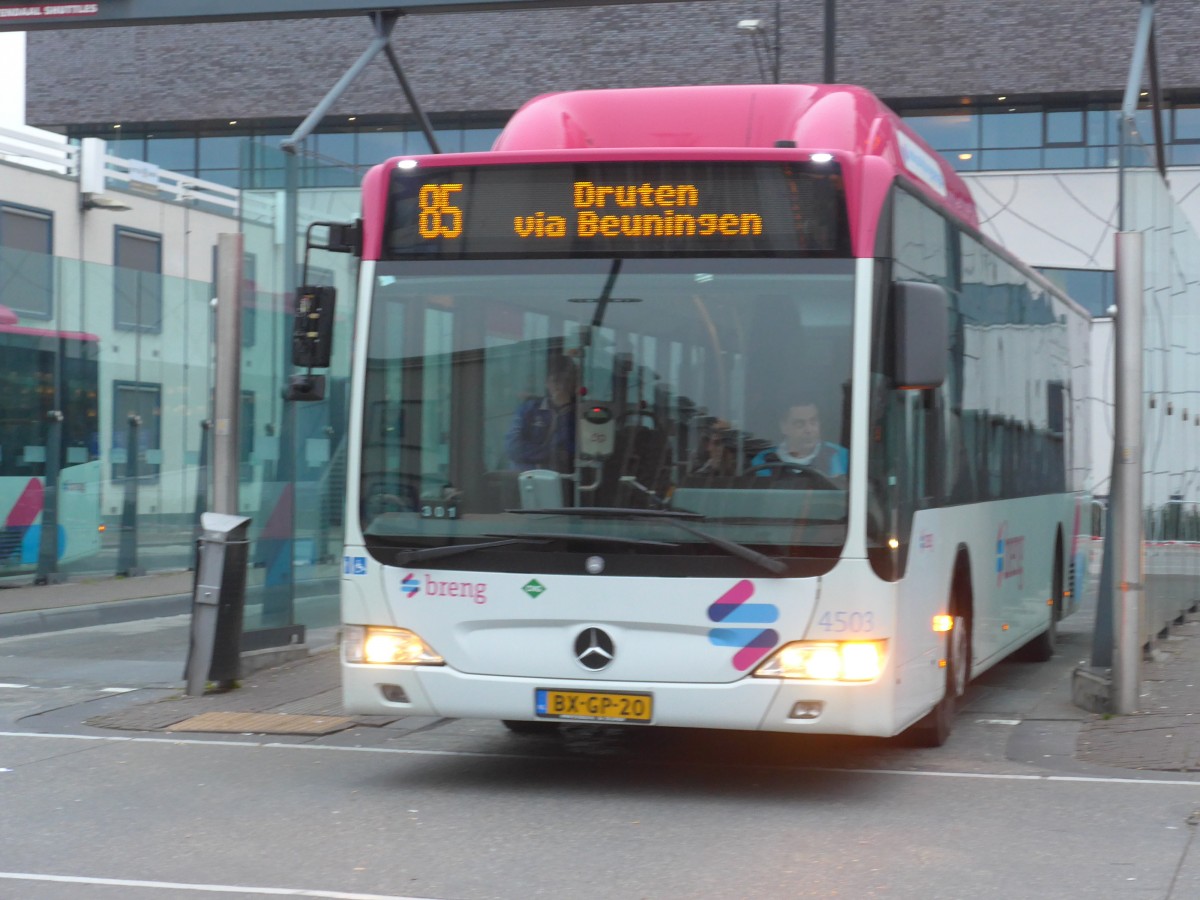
[702, 407]
[47, 376]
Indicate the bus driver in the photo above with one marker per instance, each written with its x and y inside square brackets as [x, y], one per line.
[802, 446]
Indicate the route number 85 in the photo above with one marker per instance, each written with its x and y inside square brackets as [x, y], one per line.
[438, 218]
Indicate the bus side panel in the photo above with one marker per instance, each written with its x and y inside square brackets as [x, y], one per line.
[1010, 546]
[21, 501]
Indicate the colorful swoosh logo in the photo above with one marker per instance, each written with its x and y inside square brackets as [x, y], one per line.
[410, 585]
[753, 643]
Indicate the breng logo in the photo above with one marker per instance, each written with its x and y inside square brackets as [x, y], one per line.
[411, 585]
[1010, 557]
[752, 643]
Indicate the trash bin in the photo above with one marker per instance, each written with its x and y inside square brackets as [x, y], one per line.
[218, 602]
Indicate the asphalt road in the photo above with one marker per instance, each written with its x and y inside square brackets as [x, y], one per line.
[457, 809]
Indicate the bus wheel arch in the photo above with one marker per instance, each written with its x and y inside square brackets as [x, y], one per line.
[934, 728]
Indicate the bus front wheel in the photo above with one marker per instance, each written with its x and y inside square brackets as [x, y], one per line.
[934, 729]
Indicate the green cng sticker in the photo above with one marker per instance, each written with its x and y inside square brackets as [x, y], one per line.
[534, 588]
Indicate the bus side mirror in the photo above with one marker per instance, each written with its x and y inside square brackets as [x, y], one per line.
[921, 335]
[312, 326]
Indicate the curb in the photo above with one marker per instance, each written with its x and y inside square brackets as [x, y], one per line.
[22, 624]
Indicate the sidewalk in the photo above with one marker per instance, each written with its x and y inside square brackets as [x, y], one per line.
[1164, 735]
[303, 696]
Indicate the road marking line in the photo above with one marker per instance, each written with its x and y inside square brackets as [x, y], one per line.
[8, 685]
[475, 754]
[211, 888]
[117, 690]
[997, 721]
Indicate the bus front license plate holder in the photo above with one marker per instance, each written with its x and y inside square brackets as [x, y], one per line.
[593, 706]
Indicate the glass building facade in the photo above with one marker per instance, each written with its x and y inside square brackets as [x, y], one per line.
[242, 156]
[147, 435]
[1023, 136]
[109, 374]
[974, 138]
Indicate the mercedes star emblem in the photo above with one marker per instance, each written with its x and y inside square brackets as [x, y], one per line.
[594, 649]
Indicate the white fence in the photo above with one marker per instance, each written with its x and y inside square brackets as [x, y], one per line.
[97, 170]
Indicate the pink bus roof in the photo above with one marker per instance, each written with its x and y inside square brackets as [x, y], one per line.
[870, 142]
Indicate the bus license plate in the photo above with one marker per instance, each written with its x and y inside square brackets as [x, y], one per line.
[593, 707]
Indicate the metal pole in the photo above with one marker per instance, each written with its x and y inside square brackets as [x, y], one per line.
[383, 33]
[47, 562]
[830, 75]
[1160, 154]
[412, 99]
[777, 53]
[1137, 65]
[202, 475]
[1128, 588]
[127, 551]
[227, 387]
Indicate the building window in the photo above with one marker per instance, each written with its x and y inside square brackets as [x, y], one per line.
[1186, 124]
[138, 284]
[27, 261]
[142, 400]
[1065, 127]
[175, 154]
[1093, 289]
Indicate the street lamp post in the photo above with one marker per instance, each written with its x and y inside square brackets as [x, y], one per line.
[772, 46]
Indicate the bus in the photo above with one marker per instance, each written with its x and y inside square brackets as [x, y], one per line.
[552, 337]
[31, 361]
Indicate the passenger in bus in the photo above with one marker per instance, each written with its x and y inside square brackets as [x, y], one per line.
[802, 447]
[720, 451]
[542, 433]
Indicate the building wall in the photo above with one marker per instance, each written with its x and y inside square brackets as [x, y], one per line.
[486, 62]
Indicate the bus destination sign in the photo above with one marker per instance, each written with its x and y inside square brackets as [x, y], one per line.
[618, 208]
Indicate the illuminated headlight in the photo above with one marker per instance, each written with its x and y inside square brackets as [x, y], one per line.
[386, 646]
[832, 661]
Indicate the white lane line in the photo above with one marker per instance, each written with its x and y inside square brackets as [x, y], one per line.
[210, 888]
[475, 754]
[4, 684]
[997, 721]
[117, 690]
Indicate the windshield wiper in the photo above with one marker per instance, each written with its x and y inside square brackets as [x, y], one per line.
[734, 549]
[672, 517]
[407, 557]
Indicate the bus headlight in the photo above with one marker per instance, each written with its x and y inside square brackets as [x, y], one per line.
[826, 661]
[386, 646]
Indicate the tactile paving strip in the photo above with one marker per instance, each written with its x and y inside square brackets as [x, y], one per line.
[262, 723]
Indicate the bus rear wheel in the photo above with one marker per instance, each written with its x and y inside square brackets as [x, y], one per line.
[1041, 648]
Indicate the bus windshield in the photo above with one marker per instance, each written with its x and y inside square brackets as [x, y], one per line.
[547, 399]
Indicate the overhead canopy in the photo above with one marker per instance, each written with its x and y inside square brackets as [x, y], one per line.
[15, 16]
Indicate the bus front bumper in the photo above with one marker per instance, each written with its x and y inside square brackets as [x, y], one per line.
[749, 704]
